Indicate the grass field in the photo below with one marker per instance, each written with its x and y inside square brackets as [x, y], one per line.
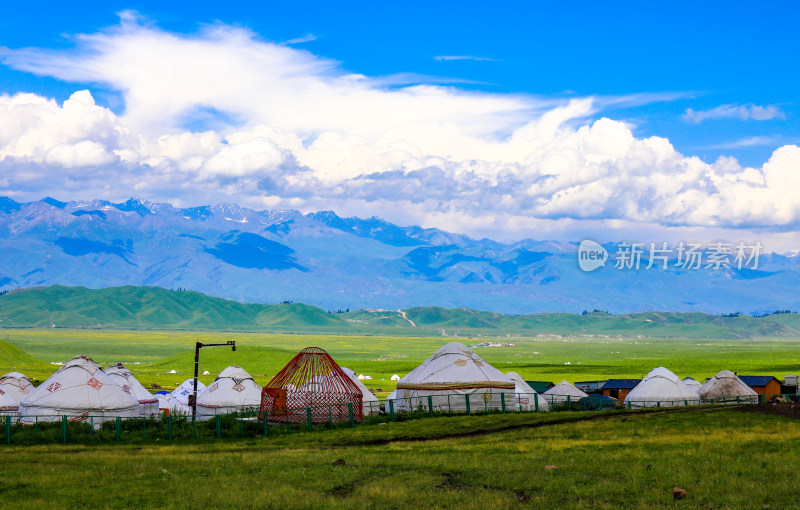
[723, 458]
[589, 358]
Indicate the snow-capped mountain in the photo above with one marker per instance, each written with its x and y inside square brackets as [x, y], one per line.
[324, 260]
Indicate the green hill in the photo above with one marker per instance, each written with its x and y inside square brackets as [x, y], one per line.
[140, 308]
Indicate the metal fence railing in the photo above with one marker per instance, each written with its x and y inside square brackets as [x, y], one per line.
[85, 428]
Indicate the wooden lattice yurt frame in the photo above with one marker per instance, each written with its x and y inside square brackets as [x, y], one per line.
[311, 385]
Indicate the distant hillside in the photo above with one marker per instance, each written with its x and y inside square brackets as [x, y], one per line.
[132, 307]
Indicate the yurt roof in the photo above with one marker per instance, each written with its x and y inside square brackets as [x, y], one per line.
[520, 385]
[80, 384]
[454, 366]
[125, 378]
[726, 384]
[565, 388]
[366, 395]
[661, 384]
[234, 387]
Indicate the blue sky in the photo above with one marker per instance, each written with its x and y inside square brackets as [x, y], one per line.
[714, 79]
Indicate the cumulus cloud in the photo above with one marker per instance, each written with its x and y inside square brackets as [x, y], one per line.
[730, 111]
[305, 134]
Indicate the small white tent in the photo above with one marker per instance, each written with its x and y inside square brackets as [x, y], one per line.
[563, 391]
[727, 387]
[13, 386]
[182, 392]
[453, 379]
[79, 389]
[525, 397]
[692, 383]
[661, 388]
[233, 391]
[395, 377]
[148, 403]
[370, 403]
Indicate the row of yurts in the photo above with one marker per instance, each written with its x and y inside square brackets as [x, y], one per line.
[82, 387]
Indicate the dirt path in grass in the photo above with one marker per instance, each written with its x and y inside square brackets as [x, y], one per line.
[788, 409]
[517, 426]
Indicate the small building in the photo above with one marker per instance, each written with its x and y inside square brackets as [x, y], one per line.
[763, 385]
[619, 388]
[590, 387]
[540, 386]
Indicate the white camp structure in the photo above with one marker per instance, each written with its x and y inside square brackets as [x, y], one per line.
[661, 388]
[693, 383]
[395, 377]
[233, 391]
[525, 397]
[727, 387]
[563, 392]
[182, 392]
[80, 390]
[169, 405]
[13, 386]
[451, 378]
[369, 402]
[148, 403]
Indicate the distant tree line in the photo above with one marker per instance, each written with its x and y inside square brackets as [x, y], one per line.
[339, 311]
[587, 312]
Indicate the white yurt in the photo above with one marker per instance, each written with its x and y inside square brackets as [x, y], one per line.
[391, 396]
[563, 391]
[370, 403]
[455, 379]
[13, 386]
[727, 387]
[79, 389]
[182, 392]
[661, 388]
[692, 383]
[148, 403]
[168, 405]
[395, 377]
[233, 391]
[525, 397]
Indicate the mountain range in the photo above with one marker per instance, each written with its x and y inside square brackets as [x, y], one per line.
[337, 263]
[132, 307]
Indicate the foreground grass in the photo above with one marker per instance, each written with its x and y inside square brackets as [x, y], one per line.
[724, 459]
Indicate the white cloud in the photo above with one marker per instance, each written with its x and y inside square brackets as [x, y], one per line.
[309, 135]
[447, 58]
[730, 111]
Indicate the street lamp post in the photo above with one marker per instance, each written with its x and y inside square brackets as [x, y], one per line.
[197, 347]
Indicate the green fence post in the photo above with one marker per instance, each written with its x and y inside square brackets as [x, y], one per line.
[737, 400]
[169, 427]
[8, 429]
[266, 427]
[658, 403]
[119, 424]
[761, 399]
[219, 425]
[308, 417]
[503, 402]
[569, 402]
[466, 398]
[629, 405]
[36, 428]
[64, 429]
[91, 427]
[430, 405]
[391, 409]
[536, 401]
[350, 414]
[449, 409]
